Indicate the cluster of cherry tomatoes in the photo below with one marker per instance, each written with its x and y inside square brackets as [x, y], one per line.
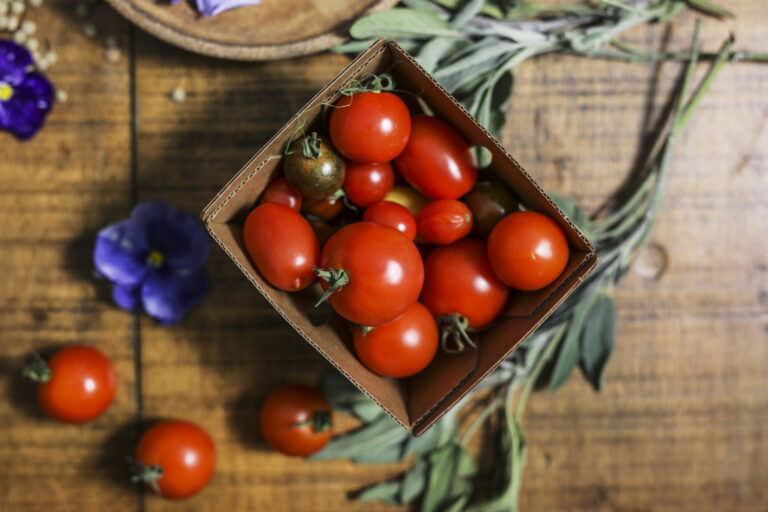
[436, 252]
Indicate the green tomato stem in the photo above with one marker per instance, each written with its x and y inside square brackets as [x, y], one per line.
[145, 474]
[336, 279]
[454, 327]
[320, 422]
[37, 369]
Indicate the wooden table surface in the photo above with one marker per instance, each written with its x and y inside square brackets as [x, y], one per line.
[681, 425]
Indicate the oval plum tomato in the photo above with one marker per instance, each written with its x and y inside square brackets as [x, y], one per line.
[444, 221]
[315, 169]
[296, 420]
[528, 250]
[326, 208]
[370, 127]
[407, 197]
[77, 385]
[400, 348]
[282, 245]
[372, 274]
[281, 192]
[393, 215]
[366, 184]
[175, 458]
[461, 290]
[490, 201]
[437, 161]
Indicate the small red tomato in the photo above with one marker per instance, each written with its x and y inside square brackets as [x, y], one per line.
[393, 215]
[461, 289]
[528, 250]
[282, 245]
[444, 221]
[437, 161]
[296, 420]
[326, 208]
[370, 127]
[175, 458]
[281, 192]
[366, 184]
[371, 273]
[400, 348]
[77, 385]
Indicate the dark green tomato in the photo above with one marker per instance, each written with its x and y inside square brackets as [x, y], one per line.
[314, 168]
[489, 201]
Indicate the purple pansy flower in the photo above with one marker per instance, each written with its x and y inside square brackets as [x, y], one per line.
[26, 96]
[155, 260]
[210, 8]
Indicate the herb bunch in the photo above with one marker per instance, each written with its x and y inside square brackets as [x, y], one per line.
[473, 47]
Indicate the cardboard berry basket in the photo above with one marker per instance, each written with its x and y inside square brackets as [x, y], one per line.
[416, 402]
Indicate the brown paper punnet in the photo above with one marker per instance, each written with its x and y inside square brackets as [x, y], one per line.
[417, 402]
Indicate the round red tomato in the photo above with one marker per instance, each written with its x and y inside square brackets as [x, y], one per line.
[393, 215]
[444, 221]
[77, 385]
[281, 192]
[437, 161]
[366, 184]
[282, 245]
[460, 287]
[528, 250]
[296, 420]
[372, 272]
[175, 458]
[400, 348]
[326, 208]
[370, 127]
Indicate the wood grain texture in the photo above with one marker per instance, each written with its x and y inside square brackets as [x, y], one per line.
[682, 423]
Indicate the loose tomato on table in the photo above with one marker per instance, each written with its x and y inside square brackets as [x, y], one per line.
[76, 385]
[326, 208]
[366, 184]
[437, 161]
[280, 191]
[393, 215]
[444, 221]
[282, 245]
[314, 168]
[370, 127]
[400, 348]
[461, 290]
[175, 458]
[528, 250]
[372, 274]
[490, 201]
[296, 420]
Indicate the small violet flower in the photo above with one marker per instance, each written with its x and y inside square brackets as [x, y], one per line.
[26, 96]
[210, 8]
[155, 260]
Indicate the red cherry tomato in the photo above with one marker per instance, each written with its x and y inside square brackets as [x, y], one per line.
[296, 420]
[281, 192]
[282, 245]
[175, 458]
[444, 221]
[393, 215]
[400, 348]
[370, 127]
[366, 184]
[77, 385]
[459, 280]
[437, 161]
[326, 208]
[528, 250]
[376, 273]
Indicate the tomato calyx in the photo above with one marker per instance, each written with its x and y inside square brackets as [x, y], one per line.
[320, 422]
[336, 278]
[341, 194]
[37, 370]
[310, 146]
[148, 474]
[454, 327]
[370, 83]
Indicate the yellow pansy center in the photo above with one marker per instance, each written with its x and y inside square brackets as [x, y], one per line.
[155, 258]
[6, 91]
